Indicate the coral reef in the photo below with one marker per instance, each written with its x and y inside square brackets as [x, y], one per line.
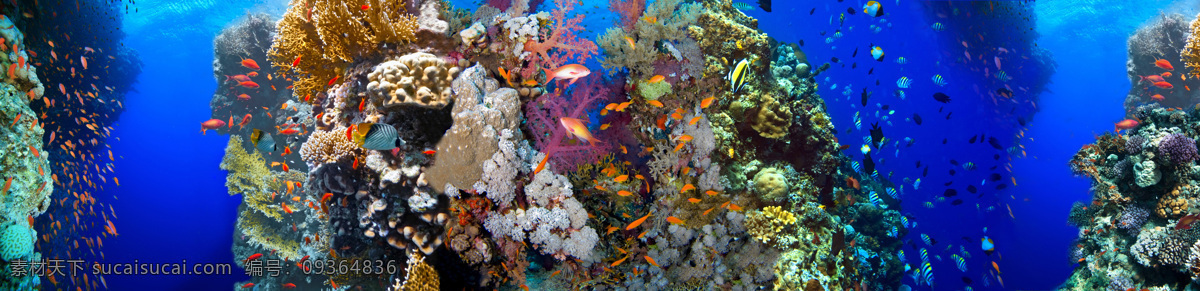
[1162, 39]
[1190, 55]
[481, 111]
[418, 78]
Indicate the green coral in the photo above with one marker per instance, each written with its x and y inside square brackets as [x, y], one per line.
[771, 184]
[664, 21]
[249, 176]
[652, 91]
[260, 231]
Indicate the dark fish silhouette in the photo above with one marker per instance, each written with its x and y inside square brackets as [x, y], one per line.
[953, 162]
[941, 97]
[948, 114]
[854, 65]
[971, 188]
[868, 164]
[972, 140]
[926, 172]
[876, 81]
[801, 42]
[944, 141]
[950, 193]
[956, 202]
[855, 53]
[993, 168]
[947, 183]
[851, 10]
[995, 143]
[833, 59]
[1021, 121]
[1001, 186]
[952, 172]
[967, 280]
[918, 164]
[810, 12]
[872, 71]
[917, 118]
[766, 5]
[876, 132]
[994, 177]
[996, 157]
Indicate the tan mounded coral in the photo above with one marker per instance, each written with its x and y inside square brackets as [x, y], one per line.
[325, 35]
[1171, 205]
[771, 119]
[1191, 51]
[326, 147]
[771, 184]
[769, 225]
[415, 79]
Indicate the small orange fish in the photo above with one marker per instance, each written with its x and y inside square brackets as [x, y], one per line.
[694, 120]
[629, 40]
[605, 126]
[429, 152]
[624, 193]
[286, 208]
[694, 200]
[656, 79]
[711, 193]
[707, 102]
[285, 168]
[651, 261]
[611, 229]
[734, 207]
[601, 188]
[679, 147]
[621, 107]
[7, 183]
[674, 220]
[530, 83]
[618, 262]
[621, 178]
[651, 19]
[686, 188]
[637, 222]
[541, 165]
[709, 210]
[676, 116]
[655, 103]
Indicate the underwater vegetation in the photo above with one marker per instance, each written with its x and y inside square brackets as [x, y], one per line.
[474, 150]
[1137, 232]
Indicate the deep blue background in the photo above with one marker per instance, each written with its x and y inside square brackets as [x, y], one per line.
[173, 205]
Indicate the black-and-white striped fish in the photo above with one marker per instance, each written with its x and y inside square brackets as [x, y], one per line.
[738, 75]
[377, 136]
[962, 264]
[874, 198]
[938, 80]
[903, 82]
[892, 192]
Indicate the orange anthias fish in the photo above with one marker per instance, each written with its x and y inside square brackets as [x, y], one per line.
[674, 220]
[1164, 64]
[621, 178]
[1164, 85]
[576, 127]
[7, 183]
[629, 40]
[248, 84]
[656, 79]
[1152, 78]
[567, 72]
[651, 261]
[655, 103]
[237, 78]
[1186, 222]
[245, 120]
[211, 124]
[1126, 124]
[1157, 97]
[686, 188]
[637, 222]
[250, 64]
[243, 97]
[624, 193]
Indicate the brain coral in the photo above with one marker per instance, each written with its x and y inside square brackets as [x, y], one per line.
[771, 184]
[418, 79]
[16, 241]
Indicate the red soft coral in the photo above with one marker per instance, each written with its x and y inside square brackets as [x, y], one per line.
[560, 45]
[552, 138]
[627, 12]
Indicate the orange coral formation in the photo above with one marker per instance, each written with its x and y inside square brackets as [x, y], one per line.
[318, 38]
[1191, 51]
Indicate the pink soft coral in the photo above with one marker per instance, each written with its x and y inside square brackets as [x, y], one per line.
[628, 12]
[560, 45]
[548, 134]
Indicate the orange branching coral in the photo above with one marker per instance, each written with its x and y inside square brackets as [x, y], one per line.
[1191, 51]
[318, 38]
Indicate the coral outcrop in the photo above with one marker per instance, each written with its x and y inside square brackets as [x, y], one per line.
[415, 79]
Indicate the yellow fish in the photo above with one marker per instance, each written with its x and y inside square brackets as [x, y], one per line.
[629, 40]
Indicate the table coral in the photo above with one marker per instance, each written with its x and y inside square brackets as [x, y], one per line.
[325, 35]
[419, 79]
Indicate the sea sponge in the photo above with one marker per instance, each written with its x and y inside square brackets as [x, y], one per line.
[326, 147]
[16, 241]
[417, 79]
[771, 119]
[769, 225]
[771, 184]
[652, 91]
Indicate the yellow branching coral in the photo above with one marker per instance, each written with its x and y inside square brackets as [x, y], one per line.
[770, 224]
[421, 276]
[322, 36]
[249, 176]
[1191, 51]
[268, 235]
[326, 147]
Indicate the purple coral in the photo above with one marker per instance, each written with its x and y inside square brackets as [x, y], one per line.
[1179, 148]
[1132, 219]
[1134, 144]
[552, 138]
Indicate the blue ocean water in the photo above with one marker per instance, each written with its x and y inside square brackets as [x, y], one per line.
[172, 205]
